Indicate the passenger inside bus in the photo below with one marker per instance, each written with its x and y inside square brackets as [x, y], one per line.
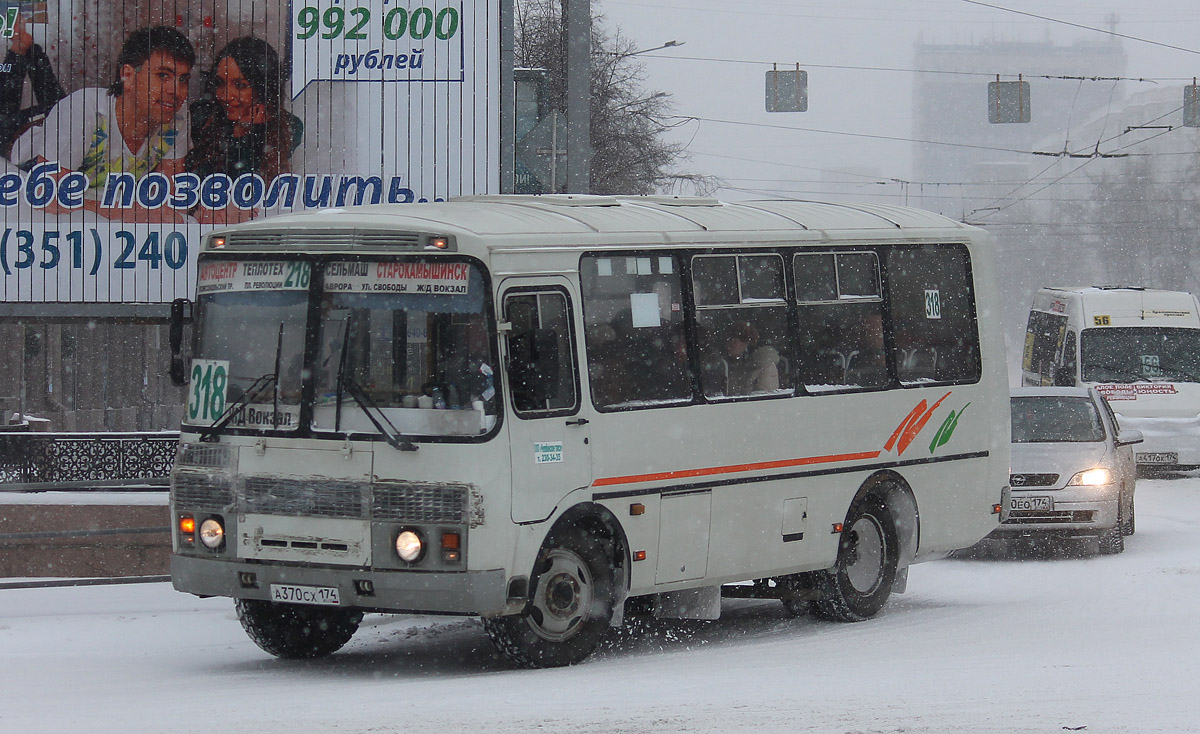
[753, 367]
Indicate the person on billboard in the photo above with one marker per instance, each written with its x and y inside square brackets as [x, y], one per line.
[138, 125]
[25, 58]
[240, 126]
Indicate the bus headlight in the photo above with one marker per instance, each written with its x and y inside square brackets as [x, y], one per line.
[212, 533]
[409, 546]
[1091, 478]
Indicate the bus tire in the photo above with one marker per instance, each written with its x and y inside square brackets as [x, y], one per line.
[859, 584]
[569, 611]
[297, 631]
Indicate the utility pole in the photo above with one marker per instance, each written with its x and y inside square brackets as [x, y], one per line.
[578, 24]
[508, 97]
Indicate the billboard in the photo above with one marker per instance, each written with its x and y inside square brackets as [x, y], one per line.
[128, 130]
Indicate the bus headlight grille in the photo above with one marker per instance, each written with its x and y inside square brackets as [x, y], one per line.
[303, 497]
[419, 502]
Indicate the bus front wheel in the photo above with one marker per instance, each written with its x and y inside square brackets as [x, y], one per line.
[859, 584]
[297, 631]
[570, 609]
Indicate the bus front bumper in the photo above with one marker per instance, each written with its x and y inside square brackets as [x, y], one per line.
[466, 592]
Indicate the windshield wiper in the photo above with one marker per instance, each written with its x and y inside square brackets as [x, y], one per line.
[258, 387]
[346, 383]
[393, 437]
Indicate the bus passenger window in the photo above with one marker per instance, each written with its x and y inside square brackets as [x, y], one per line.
[741, 324]
[841, 327]
[541, 366]
[633, 314]
[933, 314]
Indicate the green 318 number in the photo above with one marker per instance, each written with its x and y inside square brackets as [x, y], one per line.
[209, 381]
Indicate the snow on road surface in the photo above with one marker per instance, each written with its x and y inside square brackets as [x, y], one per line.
[1106, 643]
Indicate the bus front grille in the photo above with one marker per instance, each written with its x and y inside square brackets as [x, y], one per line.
[303, 497]
[420, 502]
[196, 491]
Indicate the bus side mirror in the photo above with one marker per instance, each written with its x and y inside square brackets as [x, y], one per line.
[179, 312]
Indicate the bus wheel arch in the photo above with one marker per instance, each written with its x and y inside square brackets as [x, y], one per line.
[576, 589]
[871, 551]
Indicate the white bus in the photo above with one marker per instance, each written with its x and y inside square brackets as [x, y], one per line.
[1140, 347]
[533, 408]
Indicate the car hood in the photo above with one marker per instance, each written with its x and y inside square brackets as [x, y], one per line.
[1057, 458]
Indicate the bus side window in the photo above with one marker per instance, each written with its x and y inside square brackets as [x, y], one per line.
[841, 341]
[637, 352]
[930, 298]
[541, 369]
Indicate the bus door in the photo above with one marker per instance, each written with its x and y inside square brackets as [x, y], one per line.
[548, 431]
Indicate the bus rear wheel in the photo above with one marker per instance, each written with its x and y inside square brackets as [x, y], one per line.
[859, 584]
[297, 631]
[570, 609]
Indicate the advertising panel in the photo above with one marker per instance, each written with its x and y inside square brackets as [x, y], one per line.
[128, 130]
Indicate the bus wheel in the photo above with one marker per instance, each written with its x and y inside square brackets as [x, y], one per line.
[297, 630]
[859, 584]
[569, 611]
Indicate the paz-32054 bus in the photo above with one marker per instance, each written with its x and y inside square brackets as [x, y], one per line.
[531, 409]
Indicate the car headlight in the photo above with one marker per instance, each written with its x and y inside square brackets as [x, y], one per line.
[1091, 478]
[212, 533]
[409, 546]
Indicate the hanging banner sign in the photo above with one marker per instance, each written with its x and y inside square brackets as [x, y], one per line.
[124, 141]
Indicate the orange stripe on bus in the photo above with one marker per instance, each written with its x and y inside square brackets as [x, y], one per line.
[733, 469]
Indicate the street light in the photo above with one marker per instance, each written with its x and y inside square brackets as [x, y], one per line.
[668, 44]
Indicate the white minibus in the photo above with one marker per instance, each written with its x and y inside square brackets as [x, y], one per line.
[532, 409]
[1139, 347]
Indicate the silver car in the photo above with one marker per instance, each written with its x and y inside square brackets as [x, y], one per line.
[1073, 471]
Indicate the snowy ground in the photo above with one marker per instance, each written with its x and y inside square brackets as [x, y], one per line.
[1106, 643]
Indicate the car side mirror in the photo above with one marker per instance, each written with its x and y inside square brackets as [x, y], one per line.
[1129, 436]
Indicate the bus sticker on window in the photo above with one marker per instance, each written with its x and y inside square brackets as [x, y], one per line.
[550, 452]
[933, 304]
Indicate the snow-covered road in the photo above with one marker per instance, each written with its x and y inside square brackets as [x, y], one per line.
[1106, 643]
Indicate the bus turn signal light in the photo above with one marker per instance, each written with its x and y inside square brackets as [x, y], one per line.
[187, 529]
[639, 555]
[451, 541]
[837, 528]
[996, 509]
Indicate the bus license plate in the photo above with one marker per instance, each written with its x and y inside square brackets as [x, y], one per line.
[326, 596]
[1034, 504]
[1159, 457]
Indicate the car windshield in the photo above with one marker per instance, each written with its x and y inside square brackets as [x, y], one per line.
[1140, 354]
[405, 343]
[250, 323]
[1055, 419]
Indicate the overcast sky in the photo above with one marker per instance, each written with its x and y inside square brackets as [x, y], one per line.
[852, 33]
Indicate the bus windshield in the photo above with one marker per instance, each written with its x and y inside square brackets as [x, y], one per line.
[1140, 354]
[250, 322]
[405, 344]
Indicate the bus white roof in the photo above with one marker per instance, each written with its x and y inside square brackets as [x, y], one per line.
[666, 219]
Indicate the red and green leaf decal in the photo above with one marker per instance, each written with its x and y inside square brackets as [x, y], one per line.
[912, 425]
[947, 430]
